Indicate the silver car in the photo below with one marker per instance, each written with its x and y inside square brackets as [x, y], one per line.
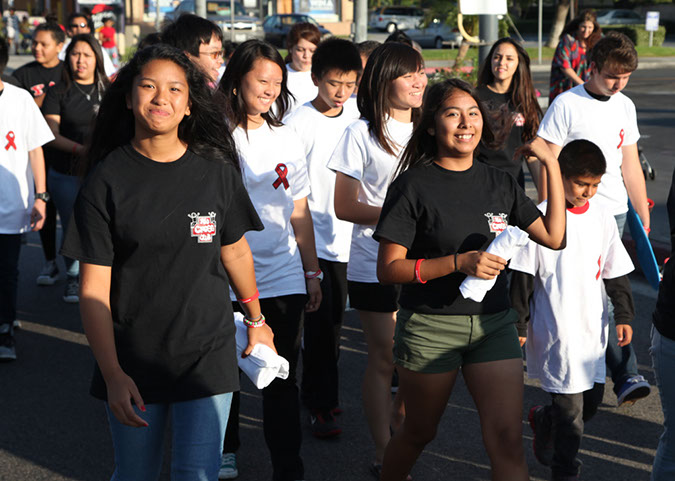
[435, 35]
[393, 18]
[246, 26]
[619, 17]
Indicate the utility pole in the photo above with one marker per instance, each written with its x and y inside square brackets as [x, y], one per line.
[200, 8]
[360, 20]
[488, 29]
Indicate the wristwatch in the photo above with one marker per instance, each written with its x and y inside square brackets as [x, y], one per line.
[43, 196]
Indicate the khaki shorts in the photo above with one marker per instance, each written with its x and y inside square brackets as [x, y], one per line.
[432, 343]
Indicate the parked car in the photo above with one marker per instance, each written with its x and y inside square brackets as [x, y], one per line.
[246, 26]
[276, 27]
[435, 35]
[391, 18]
[619, 17]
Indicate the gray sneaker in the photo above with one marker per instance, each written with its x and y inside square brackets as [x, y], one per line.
[49, 274]
[72, 293]
[7, 349]
[228, 466]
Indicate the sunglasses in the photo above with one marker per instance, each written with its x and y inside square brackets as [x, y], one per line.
[75, 25]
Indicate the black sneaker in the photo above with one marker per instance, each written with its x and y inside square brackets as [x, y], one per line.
[72, 293]
[542, 444]
[49, 274]
[7, 349]
[323, 424]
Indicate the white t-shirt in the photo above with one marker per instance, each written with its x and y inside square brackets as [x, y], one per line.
[22, 129]
[609, 124]
[274, 172]
[301, 85]
[568, 328]
[359, 155]
[352, 108]
[320, 135]
[108, 66]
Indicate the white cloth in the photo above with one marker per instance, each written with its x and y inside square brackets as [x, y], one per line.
[567, 332]
[505, 246]
[320, 135]
[263, 365]
[352, 107]
[610, 124]
[268, 156]
[22, 129]
[301, 85]
[108, 65]
[359, 155]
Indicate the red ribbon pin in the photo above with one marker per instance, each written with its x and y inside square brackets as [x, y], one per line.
[281, 171]
[597, 276]
[621, 134]
[10, 140]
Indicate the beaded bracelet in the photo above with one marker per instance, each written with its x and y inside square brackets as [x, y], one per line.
[417, 271]
[249, 299]
[259, 322]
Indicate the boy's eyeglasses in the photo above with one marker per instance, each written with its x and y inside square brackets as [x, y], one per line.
[215, 55]
[75, 25]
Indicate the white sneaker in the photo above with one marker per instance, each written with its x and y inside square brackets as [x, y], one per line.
[228, 466]
[16, 324]
[49, 274]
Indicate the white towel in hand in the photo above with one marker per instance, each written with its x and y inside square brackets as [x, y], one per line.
[505, 246]
[263, 364]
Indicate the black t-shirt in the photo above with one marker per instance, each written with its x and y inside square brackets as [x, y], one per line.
[435, 212]
[37, 79]
[664, 315]
[503, 159]
[77, 118]
[161, 226]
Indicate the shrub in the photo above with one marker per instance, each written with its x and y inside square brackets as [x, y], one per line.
[638, 34]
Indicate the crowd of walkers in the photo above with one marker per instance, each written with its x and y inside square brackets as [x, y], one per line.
[334, 176]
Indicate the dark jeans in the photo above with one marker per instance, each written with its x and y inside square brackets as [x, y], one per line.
[565, 418]
[621, 361]
[10, 247]
[281, 404]
[322, 340]
[48, 232]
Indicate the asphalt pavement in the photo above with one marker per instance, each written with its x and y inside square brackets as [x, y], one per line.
[51, 429]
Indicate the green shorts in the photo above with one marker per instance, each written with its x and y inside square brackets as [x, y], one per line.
[432, 343]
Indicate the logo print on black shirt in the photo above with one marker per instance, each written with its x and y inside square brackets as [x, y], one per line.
[498, 222]
[203, 227]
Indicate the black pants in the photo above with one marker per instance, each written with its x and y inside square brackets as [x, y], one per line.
[48, 232]
[566, 417]
[322, 340]
[10, 247]
[281, 404]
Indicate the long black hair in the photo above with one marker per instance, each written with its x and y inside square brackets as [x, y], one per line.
[240, 64]
[387, 62]
[422, 148]
[521, 92]
[204, 130]
[100, 78]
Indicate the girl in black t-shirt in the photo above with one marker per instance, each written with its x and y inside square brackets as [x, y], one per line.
[439, 215]
[158, 228]
[505, 86]
[70, 108]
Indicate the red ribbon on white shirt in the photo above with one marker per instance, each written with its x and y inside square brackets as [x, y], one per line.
[281, 171]
[10, 140]
[620, 143]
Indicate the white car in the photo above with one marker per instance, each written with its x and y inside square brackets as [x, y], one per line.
[394, 18]
[619, 17]
[435, 35]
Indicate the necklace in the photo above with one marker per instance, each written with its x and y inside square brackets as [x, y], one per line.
[88, 95]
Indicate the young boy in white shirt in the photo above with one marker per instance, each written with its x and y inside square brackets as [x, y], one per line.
[23, 196]
[336, 65]
[599, 112]
[563, 294]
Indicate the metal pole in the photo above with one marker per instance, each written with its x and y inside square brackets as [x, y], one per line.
[200, 8]
[157, 22]
[488, 28]
[232, 21]
[361, 20]
[540, 20]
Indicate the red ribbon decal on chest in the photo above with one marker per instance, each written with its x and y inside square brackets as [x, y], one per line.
[597, 276]
[621, 134]
[10, 140]
[282, 172]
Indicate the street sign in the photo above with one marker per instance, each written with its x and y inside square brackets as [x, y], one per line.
[652, 23]
[482, 7]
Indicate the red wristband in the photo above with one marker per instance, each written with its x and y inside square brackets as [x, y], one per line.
[647, 229]
[74, 149]
[249, 299]
[417, 271]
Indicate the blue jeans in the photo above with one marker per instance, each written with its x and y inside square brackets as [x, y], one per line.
[663, 360]
[621, 361]
[198, 428]
[63, 189]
